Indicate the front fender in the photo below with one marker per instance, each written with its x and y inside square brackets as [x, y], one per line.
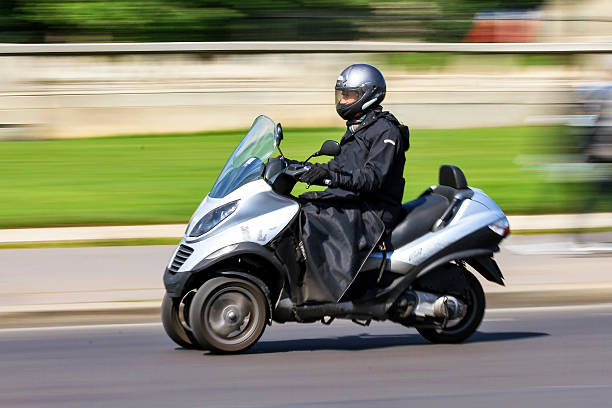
[178, 283]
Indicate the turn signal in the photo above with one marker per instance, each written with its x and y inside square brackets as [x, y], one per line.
[501, 227]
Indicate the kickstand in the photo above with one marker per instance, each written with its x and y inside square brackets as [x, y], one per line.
[366, 323]
[328, 321]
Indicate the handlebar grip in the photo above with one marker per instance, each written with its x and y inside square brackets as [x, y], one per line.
[296, 170]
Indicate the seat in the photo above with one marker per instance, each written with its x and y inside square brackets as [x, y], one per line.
[421, 214]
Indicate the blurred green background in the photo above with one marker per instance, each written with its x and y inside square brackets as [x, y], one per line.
[162, 178]
[232, 20]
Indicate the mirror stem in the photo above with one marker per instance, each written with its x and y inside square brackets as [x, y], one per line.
[311, 156]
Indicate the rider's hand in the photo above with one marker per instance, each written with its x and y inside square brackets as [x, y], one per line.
[316, 176]
[290, 162]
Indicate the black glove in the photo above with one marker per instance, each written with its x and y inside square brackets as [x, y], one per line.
[290, 162]
[316, 175]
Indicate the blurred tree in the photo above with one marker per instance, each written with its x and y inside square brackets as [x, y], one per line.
[177, 20]
[457, 16]
[226, 20]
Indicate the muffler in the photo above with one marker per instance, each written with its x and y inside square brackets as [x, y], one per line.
[415, 303]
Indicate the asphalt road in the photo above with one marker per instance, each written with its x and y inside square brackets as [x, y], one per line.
[519, 358]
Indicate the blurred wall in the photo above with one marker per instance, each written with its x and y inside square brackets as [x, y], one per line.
[73, 96]
[576, 21]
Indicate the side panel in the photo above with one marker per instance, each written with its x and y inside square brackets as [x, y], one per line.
[176, 282]
[259, 217]
[470, 217]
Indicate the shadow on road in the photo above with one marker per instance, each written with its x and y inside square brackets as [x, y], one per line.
[480, 337]
[367, 342]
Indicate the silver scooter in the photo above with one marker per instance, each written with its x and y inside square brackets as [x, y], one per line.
[234, 270]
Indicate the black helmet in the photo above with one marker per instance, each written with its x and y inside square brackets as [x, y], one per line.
[360, 82]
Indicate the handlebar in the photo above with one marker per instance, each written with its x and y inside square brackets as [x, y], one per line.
[296, 170]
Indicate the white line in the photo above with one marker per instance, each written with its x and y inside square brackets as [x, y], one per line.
[81, 327]
[503, 319]
[571, 387]
[155, 324]
[299, 46]
[535, 309]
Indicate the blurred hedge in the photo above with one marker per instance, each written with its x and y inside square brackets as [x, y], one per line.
[233, 20]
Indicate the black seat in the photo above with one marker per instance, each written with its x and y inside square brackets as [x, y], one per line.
[421, 214]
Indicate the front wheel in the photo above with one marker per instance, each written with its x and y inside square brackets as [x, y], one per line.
[175, 319]
[457, 331]
[228, 315]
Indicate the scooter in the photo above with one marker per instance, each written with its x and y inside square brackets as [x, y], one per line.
[230, 276]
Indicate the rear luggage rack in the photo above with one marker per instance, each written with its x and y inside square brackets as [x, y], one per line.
[179, 259]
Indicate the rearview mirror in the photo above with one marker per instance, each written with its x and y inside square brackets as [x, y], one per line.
[330, 148]
[278, 134]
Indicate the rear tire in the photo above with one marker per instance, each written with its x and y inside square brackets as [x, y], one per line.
[458, 332]
[228, 315]
[175, 319]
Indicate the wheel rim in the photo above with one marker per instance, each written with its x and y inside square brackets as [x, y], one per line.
[231, 315]
[183, 309]
[457, 325]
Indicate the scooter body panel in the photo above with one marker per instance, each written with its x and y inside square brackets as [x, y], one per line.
[473, 214]
[260, 216]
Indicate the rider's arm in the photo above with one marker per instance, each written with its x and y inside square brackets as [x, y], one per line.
[370, 177]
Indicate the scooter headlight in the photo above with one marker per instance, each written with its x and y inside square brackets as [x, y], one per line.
[213, 218]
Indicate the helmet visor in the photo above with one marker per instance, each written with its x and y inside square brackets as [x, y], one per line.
[348, 96]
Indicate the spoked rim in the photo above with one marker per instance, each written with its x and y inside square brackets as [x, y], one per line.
[231, 315]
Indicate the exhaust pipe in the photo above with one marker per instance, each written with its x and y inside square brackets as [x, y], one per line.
[439, 307]
[412, 303]
[287, 311]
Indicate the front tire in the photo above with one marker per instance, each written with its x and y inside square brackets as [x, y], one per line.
[466, 326]
[228, 315]
[175, 319]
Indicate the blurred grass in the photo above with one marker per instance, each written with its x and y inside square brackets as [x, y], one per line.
[162, 178]
[423, 61]
[91, 243]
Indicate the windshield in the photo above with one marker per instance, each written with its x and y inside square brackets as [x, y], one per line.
[247, 162]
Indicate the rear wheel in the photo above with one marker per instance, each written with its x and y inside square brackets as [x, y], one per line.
[175, 319]
[461, 329]
[228, 315]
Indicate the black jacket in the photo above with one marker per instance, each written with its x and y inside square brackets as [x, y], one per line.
[341, 226]
[371, 163]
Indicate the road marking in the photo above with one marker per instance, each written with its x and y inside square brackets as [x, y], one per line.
[82, 327]
[570, 387]
[503, 319]
[155, 324]
[535, 309]
[560, 248]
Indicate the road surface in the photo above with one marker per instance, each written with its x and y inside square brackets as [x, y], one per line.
[555, 357]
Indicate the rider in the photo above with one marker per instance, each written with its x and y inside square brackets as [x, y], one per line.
[342, 225]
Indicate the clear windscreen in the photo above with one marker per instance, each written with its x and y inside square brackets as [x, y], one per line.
[247, 163]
